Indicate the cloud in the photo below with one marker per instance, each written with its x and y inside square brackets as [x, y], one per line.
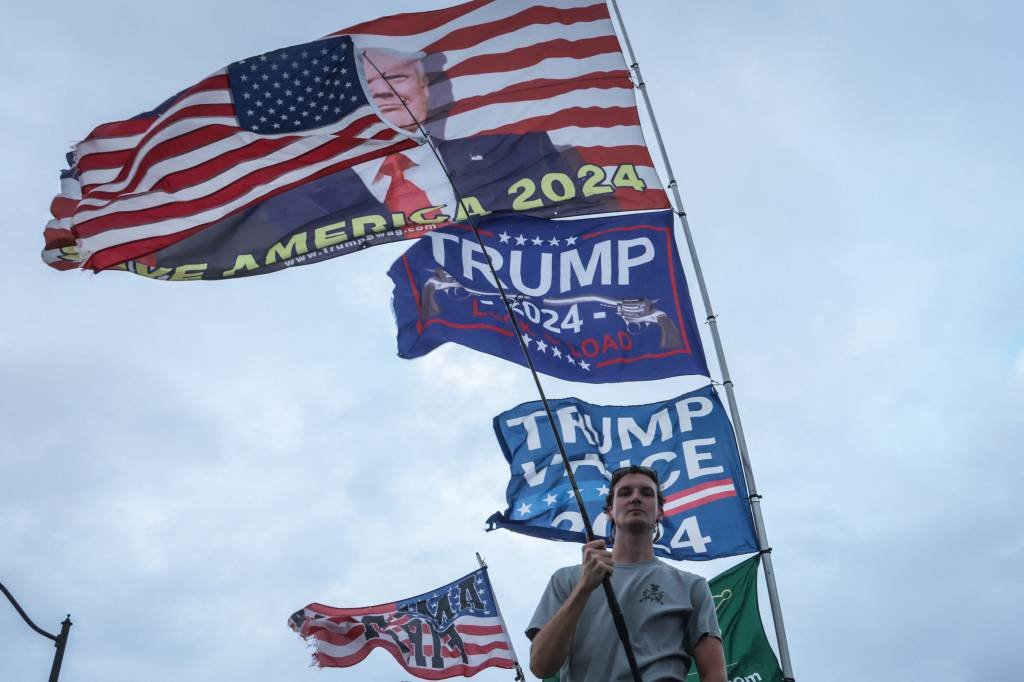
[183, 465]
[465, 371]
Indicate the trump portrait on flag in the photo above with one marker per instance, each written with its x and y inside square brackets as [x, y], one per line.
[412, 183]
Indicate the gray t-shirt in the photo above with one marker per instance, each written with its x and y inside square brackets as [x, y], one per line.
[666, 611]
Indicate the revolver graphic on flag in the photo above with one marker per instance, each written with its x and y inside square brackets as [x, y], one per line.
[441, 280]
[637, 313]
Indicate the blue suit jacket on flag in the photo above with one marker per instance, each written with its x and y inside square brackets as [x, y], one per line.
[598, 300]
[688, 441]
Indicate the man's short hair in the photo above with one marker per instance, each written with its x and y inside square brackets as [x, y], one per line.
[618, 474]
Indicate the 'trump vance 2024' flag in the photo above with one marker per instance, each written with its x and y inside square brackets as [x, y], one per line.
[598, 299]
[451, 631]
[313, 150]
[688, 441]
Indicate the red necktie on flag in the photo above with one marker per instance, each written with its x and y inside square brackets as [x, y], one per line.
[403, 195]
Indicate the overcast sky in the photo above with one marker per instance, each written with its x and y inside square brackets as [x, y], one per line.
[182, 465]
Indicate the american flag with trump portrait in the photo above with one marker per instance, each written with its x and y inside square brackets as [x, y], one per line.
[379, 132]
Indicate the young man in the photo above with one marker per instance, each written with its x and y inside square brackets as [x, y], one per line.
[669, 613]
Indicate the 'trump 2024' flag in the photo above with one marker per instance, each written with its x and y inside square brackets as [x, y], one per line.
[312, 151]
[599, 300]
[688, 441]
[451, 631]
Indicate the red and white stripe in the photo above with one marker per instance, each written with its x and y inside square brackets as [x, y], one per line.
[514, 66]
[339, 641]
[699, 495]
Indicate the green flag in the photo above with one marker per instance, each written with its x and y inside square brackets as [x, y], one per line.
[748, 656]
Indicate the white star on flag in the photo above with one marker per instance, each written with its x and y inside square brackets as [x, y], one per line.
[520, 240]
[541, 346]
[537, 241]
[550, 499]
[524, 509]
[503, 237]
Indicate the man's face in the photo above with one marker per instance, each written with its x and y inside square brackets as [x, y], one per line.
[635, 503]
[406, 79]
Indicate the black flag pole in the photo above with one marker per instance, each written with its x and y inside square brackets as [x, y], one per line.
[606, 583]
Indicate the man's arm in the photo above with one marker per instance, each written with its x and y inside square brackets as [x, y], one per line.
[550, 646]
[710, 659]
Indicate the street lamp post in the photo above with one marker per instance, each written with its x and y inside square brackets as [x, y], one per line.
[60, 641]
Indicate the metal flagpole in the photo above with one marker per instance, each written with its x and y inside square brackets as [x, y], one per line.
[501, 619]
[755, 498]
[60, 641]
[606, 583]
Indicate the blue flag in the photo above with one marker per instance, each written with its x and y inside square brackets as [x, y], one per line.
[688, 441]
[598, 300]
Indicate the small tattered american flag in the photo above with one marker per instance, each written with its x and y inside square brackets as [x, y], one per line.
[455, 630]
